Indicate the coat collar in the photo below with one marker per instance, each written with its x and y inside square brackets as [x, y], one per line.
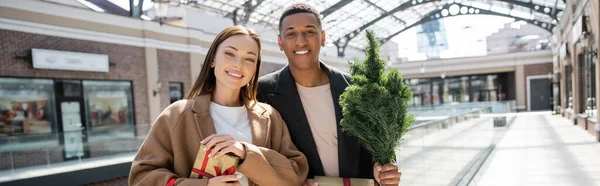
[257, 115]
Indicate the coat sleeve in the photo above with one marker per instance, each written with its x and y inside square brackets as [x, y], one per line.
[283, 164]
[153, 164]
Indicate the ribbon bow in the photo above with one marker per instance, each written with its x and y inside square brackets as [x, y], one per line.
[228, 171]
[201, 172]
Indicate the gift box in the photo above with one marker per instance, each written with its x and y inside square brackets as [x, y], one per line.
[208, 167]
[337, 181]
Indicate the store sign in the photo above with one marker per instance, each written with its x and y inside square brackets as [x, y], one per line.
[577, 29]
[61, 60]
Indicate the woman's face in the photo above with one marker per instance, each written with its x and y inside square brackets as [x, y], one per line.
[235, 62]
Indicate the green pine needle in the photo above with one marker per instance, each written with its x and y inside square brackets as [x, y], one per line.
[375, 106]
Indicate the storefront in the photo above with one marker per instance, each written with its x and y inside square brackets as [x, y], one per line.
[577, 51]
[468, 88]
[64, 99]
[32, 106]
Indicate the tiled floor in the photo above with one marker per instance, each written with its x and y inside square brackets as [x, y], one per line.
[536, 149]
[443, 158]
[541, 149]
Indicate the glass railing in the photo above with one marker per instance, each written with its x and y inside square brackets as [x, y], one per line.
[449, 150]
[17, 152]
[455, 108]
[444, 145]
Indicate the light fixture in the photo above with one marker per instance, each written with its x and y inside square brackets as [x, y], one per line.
[157, 89]
[585, 40]
[422, 69]
[161, 8]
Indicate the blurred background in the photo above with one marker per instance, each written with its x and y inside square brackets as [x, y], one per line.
[504, 90]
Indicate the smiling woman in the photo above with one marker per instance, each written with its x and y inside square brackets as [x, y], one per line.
[231, 66]
[221, 113]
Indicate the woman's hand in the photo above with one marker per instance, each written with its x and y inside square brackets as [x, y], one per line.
[222, 144]
[226, 180]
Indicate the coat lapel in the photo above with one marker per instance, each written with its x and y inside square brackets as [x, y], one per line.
[348, 149]
[259, 125]
[204, 122]
[286, 100]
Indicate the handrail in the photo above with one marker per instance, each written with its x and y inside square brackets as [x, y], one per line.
[478, 111]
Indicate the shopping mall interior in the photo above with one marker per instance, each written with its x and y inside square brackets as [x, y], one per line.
[504, 91]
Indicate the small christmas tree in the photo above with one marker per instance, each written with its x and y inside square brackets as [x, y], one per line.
[375, 105]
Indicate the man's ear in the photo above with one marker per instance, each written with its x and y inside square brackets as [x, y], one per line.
[280, 42]
[323, 38]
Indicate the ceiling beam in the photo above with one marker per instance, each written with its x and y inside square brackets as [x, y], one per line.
[343, 41]
[335, 7]
[381, 9]
[438, 15]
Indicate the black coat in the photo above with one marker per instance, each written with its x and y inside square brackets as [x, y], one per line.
[279, 90]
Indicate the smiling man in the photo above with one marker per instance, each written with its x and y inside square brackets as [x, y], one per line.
[306, 93]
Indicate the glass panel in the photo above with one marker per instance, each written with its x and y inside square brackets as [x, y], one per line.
[26, 106]
[175, 91]
[109, 103]
[71, 88]
[435, 93]
[592, 78]
[71, 123]
[71, 116]
[582, 82]
[569, 86]
[590, 82]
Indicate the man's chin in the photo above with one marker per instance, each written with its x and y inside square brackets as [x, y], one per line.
[302, 65]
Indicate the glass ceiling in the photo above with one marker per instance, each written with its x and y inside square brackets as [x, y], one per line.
[345, 18]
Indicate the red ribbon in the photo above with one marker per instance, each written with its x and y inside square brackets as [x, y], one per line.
[171, 182]
[228, 171]
[346, 181]
[205, 160]
[202, 173]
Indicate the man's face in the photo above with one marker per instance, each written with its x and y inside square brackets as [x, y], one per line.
[301, 39]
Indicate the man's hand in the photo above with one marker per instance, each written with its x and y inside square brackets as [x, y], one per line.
[386, 175]
[226, 180]
[310, 182]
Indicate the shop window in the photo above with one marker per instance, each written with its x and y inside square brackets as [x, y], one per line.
[569, 86]
[590, 83]
[26, 106]
[175, 91]
[108, 103]
[455, 90]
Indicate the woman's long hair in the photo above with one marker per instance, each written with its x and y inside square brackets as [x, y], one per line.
[206, 82]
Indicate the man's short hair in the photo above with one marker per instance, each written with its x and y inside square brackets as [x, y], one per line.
[297, 8]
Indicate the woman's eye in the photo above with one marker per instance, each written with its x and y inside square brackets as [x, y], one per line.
[250, 60]
[229, 54]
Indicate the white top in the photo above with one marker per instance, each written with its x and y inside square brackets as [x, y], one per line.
[320, 112]
[232, 121]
